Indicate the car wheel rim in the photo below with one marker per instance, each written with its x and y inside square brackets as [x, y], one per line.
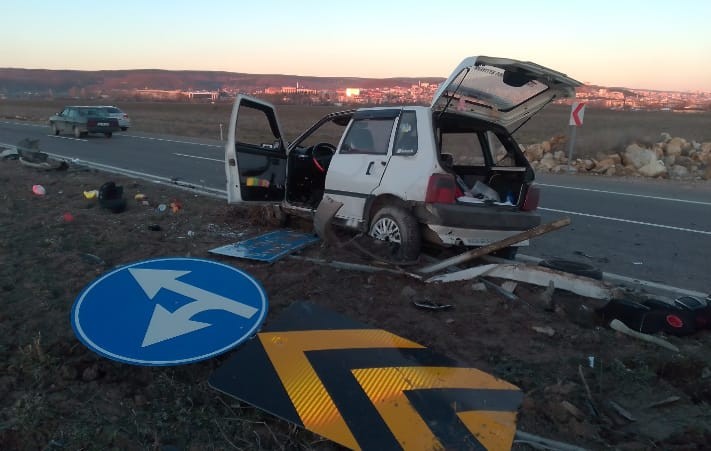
[387, 230]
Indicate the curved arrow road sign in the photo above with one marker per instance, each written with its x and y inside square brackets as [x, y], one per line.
[168, 311]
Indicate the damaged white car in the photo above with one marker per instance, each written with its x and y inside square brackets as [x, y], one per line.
[450, 173]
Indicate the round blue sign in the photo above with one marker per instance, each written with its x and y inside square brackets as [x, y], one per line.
[168, 311]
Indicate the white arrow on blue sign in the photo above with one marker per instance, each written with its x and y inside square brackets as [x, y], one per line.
[168, 311]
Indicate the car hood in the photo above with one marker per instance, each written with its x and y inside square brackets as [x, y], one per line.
[499, 90]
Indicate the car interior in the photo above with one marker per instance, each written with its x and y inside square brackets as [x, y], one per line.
[310, 158]
[489, 167]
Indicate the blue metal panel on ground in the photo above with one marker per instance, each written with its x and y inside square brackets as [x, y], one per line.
[269, 247]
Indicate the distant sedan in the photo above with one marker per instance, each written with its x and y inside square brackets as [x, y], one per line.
[82, 120]
[115, 112]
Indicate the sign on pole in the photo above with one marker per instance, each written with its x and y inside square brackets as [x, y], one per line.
[577, 112]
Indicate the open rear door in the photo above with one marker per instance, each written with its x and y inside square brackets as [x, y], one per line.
[255, 154]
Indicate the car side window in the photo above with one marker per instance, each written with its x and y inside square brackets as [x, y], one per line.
[406, 142]
[498, 151]
[368, 136]
[465, 148]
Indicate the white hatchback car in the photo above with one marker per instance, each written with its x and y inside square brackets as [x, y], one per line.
[450, 173]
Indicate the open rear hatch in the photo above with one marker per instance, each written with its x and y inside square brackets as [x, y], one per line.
[499, 90]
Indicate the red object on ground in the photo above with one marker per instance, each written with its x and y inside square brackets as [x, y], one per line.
[68, 217]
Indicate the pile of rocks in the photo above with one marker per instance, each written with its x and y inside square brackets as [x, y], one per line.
[674, 158]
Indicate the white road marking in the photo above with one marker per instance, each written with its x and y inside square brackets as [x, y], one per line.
[630, 221]
[67, 137]
[200, 158]
[697, 202]
[171, 141]
[23, 123]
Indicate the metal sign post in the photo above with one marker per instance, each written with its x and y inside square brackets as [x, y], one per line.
[577, 112]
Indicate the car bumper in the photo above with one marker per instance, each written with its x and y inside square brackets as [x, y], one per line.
[486, 217]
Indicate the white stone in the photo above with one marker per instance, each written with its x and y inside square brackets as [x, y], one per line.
[653, 169]
[638, 156]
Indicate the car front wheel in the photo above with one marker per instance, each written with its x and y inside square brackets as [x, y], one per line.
[398, 227]
[55, 129]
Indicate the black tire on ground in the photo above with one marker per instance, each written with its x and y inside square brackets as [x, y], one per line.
[77, 132]
[108, 134]
[398, 226]
[55, 129]
[84, 134]
[573, 267]
[123, 129]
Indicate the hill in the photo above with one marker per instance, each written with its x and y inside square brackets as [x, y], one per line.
[22, 82]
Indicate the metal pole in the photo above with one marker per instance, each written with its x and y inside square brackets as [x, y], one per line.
[571, 143]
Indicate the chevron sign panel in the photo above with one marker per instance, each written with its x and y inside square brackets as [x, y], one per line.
[367, 388]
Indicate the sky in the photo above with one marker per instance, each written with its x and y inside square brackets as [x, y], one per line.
[637, 44]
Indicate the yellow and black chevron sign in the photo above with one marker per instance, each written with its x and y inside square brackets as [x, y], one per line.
[366, 388]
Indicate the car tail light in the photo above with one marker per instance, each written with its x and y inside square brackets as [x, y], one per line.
[91, 122]
[125, 116]
[441, 189]
[533, 196]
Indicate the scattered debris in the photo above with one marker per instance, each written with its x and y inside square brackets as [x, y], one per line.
[91, 194]
[10, 153]
[429, 305]
[161, 208]
[546, 297]
[139, 197]
[175, 206]
[546, 330]
[154, 227]
[484, 250]
[354, 266]
[509, 285]
[622, 328]
[111, 197]
[572, 267]
[588, 393]
[624, 413]
[503, 292]
[94, 259]
[191, 234]
[479, 286]
[570, 408]
[39, 190]
[325, 212]
[663, 402]
[539, 442]
[67, 217]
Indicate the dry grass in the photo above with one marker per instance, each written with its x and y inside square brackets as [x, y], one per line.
[603, 130]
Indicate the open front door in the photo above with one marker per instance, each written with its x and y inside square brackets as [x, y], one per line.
[255, 155]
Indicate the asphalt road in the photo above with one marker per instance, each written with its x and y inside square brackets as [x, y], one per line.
[648, 229]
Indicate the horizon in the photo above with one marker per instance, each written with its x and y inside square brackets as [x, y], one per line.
[614, 45]
[584, 83]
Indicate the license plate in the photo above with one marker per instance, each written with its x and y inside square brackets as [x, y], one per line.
[102, 124]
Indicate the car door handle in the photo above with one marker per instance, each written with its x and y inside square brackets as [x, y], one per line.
[370, 166]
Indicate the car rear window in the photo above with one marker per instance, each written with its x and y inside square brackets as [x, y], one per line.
[112, 110]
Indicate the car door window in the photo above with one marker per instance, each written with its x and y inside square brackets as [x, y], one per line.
[368, 136]
[254, 129]
[465, 148]
[406, 142]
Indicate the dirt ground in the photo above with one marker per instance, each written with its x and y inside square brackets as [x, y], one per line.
[56, 394]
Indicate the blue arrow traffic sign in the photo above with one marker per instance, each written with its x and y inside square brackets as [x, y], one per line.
[168, 311]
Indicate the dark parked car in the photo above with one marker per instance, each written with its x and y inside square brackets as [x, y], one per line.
[82, 120]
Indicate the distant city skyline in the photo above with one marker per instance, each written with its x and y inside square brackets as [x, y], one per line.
[635, 44]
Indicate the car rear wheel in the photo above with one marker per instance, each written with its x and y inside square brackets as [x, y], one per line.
[108, 134]
[55, 129]
[123, 129]
[397, 226]
[77, 132]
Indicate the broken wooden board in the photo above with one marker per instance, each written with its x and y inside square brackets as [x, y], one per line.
[506, 242]
[536, 275]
